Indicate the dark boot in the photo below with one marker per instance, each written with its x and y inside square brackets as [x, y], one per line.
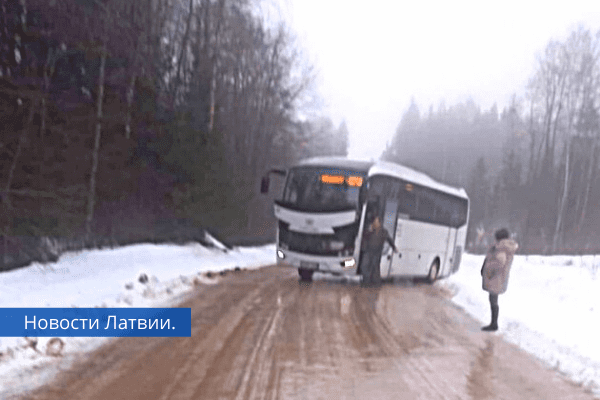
[493, 326]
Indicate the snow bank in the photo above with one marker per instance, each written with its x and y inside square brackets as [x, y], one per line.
[105, 278]
[551, 310]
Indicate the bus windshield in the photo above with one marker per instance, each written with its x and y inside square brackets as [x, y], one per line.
[322, 189]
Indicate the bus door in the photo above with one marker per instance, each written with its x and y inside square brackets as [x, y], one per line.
[404, 262]
[390, 216]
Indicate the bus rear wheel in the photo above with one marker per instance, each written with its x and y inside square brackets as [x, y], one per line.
[305, 274]
[433, 271]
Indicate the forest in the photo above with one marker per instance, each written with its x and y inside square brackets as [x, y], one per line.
[531, 167]
[125, 121]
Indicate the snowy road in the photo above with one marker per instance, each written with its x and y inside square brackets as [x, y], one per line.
[263, 335]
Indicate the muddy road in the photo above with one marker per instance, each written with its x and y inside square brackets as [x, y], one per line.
[265, 335]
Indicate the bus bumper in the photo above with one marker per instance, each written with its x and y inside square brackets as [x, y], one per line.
[334, 265]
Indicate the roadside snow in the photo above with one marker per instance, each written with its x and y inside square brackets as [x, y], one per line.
[105, 278]
[551, 310]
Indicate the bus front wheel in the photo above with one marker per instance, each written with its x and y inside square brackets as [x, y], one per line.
[305, 274]
[433, 271]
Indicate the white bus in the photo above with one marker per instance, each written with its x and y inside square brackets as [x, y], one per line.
[321, 217]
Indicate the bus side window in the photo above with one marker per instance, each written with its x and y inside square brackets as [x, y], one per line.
[451, 210]
[440, 215]
[426, 210]
[454, 212]
[407, 203]
[459, 211]
[393, 190]
[445, 210]
[374, 188]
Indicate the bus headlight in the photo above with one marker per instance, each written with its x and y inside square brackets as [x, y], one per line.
[349, 263]
[280, 254]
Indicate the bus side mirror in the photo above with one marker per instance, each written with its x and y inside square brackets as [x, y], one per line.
[264, 185]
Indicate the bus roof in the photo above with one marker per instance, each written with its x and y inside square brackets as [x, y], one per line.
[383, 167]
[414, 176]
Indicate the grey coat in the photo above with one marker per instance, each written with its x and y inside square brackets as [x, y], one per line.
[496, 267]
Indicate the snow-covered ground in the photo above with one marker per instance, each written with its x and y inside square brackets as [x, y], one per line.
[551, 309]
[105, 278]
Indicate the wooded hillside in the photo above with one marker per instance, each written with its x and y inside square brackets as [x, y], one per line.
[136, 120]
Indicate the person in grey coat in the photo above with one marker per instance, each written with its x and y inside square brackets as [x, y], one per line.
[496, 270]
[372, 246]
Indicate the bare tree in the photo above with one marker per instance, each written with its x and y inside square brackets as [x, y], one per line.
[18, 151]
[96, 149]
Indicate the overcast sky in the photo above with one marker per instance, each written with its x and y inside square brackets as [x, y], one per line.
[374, 56]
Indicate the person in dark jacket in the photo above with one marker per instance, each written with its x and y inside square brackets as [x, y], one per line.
[372, 246]
[496, 270]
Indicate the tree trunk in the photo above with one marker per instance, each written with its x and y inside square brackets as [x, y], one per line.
[213, 71]
[182, 53]
[130, 93]
[42, 128]
[591, 173]
[529, 177]
[213, 85]
[552, 138]
[563, 201]
[13, 165]
[49, 64]
[545, 140]
[96, 151]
